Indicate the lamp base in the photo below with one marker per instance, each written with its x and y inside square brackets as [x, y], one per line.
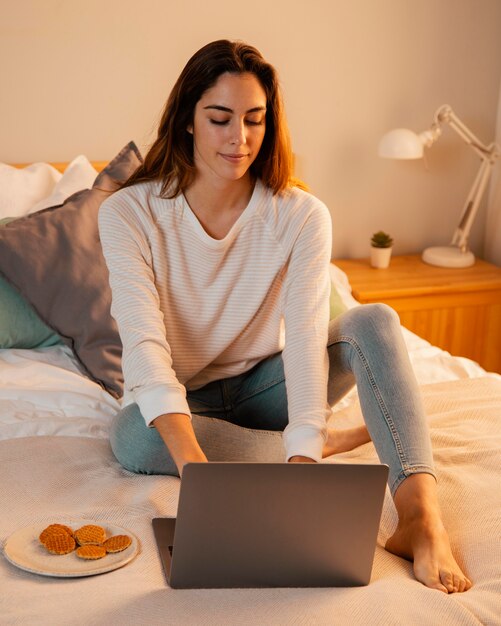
[448, 256]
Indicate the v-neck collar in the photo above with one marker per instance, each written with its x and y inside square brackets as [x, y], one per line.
[237, 226]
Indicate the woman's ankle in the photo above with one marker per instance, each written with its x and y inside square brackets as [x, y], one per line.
[416, 499]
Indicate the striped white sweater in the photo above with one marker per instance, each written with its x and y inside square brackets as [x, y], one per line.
[191, 309]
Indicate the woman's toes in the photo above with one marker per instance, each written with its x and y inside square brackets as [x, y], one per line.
[447, 580]
[454, 583]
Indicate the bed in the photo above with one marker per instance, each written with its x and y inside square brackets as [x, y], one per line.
[57, 401]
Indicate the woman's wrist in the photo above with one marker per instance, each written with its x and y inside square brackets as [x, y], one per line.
[176, 430]
[301, 459]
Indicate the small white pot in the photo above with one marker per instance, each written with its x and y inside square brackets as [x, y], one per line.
[380, 257]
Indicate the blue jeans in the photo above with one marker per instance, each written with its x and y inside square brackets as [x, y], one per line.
[365, 348]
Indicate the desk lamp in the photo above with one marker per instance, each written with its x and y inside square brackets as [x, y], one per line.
[402, 143]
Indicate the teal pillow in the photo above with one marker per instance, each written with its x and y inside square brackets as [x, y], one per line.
[20, 326]
[337, 306]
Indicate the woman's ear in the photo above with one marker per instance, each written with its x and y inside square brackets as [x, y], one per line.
[189, 128]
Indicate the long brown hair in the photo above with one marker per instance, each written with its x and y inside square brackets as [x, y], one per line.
[170, 158]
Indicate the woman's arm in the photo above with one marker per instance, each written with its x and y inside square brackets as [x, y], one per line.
[178, 435]
[147, 361]
[306, 317]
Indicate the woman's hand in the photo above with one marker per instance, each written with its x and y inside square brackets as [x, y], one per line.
[178, 435]
[301, 459]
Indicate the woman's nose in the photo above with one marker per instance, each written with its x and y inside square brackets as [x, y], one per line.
[238, 133]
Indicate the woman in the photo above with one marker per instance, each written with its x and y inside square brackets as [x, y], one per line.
[213, 253]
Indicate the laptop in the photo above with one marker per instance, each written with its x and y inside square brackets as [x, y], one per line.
[273, 525]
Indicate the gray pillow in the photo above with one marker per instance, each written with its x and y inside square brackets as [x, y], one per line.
[54, 259]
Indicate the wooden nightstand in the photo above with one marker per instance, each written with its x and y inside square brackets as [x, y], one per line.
[458, 310]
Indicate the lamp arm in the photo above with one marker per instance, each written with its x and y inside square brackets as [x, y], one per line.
[461, 234]
[445, 114]
[488, 155]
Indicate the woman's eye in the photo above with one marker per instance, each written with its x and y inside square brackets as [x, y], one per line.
[225, 122]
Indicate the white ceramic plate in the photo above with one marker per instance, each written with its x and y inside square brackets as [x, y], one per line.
[24, 550]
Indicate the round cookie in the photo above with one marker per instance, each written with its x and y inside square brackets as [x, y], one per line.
[117, 543]
[59, 543]
[91, 551]
[54, 529]
[90, 534]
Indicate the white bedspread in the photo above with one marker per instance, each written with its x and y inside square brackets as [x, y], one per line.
[46, 478]
[43, 392]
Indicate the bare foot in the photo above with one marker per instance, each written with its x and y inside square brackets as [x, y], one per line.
[344, 440]
[426, 543]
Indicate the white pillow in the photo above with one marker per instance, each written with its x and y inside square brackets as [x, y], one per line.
[21, 189]
[77, 176]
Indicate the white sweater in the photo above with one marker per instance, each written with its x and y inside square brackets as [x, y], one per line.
[191, 309]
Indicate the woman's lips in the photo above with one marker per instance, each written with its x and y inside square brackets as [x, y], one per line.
[234, 158]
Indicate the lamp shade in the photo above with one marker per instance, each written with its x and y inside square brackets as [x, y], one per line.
[401, 143]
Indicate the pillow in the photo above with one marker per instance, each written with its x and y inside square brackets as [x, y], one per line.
[20, 326]
[337, 306]
[21, 189]
[341, 284]
[54, 259]
[78, 175]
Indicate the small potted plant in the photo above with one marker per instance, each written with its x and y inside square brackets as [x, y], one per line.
[381, 246]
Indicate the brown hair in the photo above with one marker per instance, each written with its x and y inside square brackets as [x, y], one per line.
[170, 158]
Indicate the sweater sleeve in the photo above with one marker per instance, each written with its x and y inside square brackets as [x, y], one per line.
[146, 357]
[306, 318]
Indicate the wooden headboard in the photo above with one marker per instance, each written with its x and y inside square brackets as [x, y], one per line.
[97, 165]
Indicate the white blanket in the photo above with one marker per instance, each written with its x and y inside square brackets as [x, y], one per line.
[47, 478]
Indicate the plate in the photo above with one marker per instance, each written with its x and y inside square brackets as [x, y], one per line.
[24, 550]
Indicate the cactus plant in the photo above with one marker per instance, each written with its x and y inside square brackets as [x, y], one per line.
[381, 240]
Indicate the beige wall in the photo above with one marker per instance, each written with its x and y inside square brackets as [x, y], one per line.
[85, 77]
[492, 247]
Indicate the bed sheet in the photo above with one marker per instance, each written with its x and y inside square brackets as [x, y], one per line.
[49, 478]
[45, 392]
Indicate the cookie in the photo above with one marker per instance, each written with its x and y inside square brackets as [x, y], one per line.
[117, 543]
[59, 543]
[90, 534]
[54, 529]
[91, 551]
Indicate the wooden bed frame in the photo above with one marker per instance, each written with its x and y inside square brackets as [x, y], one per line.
[60, 167]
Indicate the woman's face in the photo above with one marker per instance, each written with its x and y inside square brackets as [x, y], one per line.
[228, 127]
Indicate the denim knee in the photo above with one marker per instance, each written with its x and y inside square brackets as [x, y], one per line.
[138, 448]
[369, 322]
